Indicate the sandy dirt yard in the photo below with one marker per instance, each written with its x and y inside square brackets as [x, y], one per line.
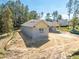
[58, 46]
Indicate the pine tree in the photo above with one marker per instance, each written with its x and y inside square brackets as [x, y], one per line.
[70, 7]
[48, 17]
[1, 22]
[7, 19]
[55, 15]
[33, 15]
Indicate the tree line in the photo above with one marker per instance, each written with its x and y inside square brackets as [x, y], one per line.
[13, 14]
[55, 15]
[73, 9]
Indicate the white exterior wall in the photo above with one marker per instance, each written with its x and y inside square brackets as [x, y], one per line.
[37, 34]
[27, 31]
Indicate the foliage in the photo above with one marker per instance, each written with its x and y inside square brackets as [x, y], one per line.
[73, 7]
[19, 14]
[59, 17]
[7, 20]
[67, 29]
[33, 15]
[42, 14]
[55, 15]
[69, 7]
[48, 17]
[74, 22]
[76, 8]
[1, 24]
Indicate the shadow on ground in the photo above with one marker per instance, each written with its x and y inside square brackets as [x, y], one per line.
[29, 41]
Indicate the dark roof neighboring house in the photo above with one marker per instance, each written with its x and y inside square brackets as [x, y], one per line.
[32, 23]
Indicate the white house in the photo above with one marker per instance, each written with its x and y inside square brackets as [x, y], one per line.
[35, 29]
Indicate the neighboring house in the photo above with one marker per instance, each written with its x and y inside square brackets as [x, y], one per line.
[70, 23]
[53, 26]
[35, 29]
[63, 22]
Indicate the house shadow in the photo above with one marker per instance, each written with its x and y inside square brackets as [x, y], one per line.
[29, 42]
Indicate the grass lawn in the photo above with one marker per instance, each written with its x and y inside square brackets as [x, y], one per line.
[75, 57]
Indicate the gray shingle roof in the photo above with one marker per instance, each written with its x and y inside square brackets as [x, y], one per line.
[31, 23]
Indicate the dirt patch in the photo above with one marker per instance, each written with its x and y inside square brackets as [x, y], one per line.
[58, 46]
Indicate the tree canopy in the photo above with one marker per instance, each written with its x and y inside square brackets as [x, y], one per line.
[15, 13]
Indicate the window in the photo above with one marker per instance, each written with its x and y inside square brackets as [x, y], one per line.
[41, 30]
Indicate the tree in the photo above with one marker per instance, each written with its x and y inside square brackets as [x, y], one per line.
[59, 17]
[55, 15]
[74, 22]
[1, 25]
[42, 14]
[76, 8]
[33, 15]
[1, 22]
[19, 12]
[73, 8]
[70, 7]
[48, 17]
[26, 13]
[7, 20]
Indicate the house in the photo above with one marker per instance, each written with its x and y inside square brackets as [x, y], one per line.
[63, 22]
[35, 29]
[70, 23]
[53, 26]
